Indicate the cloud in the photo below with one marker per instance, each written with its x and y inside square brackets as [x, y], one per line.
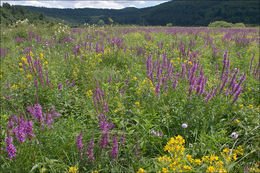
[98, 4]
[85, 4]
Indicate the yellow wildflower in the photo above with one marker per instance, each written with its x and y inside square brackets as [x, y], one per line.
[24, 60]
[211, 169]
[73, 170]
[187, 167]
[127, 72]
[229, 159]
[141, 170]
[43, 170]
[197, 161]
[189, 158]
[21, 69]
[15, 87]
[213, 157]
[1, 76]
[29, 76]
[135, 78]
[137, 103]
[45, 62]
[235, 156]
[172, 61]
[94, 171]
[239, 150]
[115, 110]
[164, 170]
[236, 121]
[20, 64]
[41, 56]
[222, 170]
[89, 93]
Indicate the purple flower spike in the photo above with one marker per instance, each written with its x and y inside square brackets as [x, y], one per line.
[114, 149]
[79, 142]
[10, 148]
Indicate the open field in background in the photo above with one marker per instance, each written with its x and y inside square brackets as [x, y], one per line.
[128, 99]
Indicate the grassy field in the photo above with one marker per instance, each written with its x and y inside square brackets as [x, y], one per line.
[129, 99]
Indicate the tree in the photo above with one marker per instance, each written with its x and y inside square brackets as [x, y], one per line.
[101, 22]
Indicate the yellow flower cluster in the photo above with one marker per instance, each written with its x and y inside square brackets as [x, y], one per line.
[178, 162]
[141, 170]
[250, 106]
[175, 145]
[215, 164]
[15, 87]
[146, 83]
[29, 76]
[230, 155]
[89, 93]
[175, 162]
[43, 170]
[73, 170]
[137, 104]
[255, 168]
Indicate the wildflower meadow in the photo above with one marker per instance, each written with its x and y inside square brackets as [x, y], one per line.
[129, 99]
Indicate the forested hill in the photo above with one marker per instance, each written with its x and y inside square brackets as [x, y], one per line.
[10, 14]
[177, 12]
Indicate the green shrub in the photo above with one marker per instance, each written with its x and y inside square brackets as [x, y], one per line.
[220, 24]
[169, 24]
[239, 25]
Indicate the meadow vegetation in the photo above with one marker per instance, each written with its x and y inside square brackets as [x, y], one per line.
[129, 99]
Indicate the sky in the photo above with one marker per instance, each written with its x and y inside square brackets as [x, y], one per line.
[118, 4]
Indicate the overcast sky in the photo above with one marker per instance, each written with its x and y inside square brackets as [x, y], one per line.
[86, 3]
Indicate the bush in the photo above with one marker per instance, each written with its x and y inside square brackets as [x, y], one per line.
[169, 24]
[220, 24]
[239, 25]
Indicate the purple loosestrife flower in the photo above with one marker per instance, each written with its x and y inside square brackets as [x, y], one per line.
[104, 139]
[10, 123]
[114, 149]
[157, 89]
[208, 97]
[227, 92]
[251, 62]
[79, 142]
[29, 130]
[59, 86]
[10, 148]
[239, 91]
[49, 120]
[232, 81]
[15, 118]
[20, 131]
[67, 82]
[35, 82]
[174, 85]
[90, 151]
[38, 112]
